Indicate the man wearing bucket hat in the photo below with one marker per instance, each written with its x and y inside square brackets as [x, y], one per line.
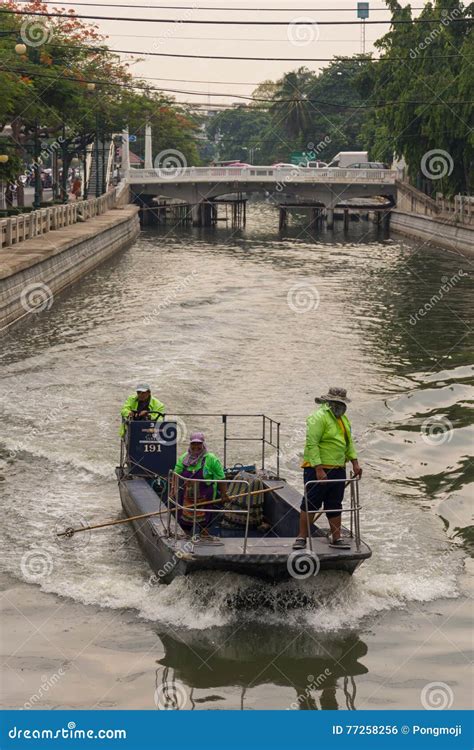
[328, 447]
[141, 405]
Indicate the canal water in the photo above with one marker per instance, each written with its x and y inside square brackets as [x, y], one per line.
[245, 321]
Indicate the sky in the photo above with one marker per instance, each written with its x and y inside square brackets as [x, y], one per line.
[208, 77]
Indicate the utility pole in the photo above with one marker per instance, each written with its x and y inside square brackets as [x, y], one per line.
[363, 14]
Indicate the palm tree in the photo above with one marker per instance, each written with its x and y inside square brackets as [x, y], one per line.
[290, 106]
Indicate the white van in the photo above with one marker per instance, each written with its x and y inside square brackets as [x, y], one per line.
[345, 159]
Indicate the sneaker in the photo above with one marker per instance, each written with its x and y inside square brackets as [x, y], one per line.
[340, 543]
[299, 543]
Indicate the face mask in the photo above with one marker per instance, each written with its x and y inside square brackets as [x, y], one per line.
[337, 408]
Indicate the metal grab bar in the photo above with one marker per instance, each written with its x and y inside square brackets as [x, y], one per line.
[268, 432]
[174, 478]
[354, 509]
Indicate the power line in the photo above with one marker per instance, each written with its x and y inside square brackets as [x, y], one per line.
[209, 7]
[356, 58]
[269, 103]
[282, 59]
[68, 17]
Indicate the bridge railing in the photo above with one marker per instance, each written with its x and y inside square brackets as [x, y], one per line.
[263, 174]
[23, 227]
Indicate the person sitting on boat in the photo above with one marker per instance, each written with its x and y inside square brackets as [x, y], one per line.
[329, 445]
[141, 405]
[198, 463]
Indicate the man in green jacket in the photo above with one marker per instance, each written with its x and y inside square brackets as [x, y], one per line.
[141, 405]
[328, 447]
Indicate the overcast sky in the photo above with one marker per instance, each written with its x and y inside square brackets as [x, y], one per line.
[258, 41]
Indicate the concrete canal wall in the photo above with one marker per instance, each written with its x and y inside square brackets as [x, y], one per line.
[36, 269]
[448, 224]
[444, 233]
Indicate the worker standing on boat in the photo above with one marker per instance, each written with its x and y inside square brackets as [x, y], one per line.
[141, 405]
[328, 447]
[199, 463]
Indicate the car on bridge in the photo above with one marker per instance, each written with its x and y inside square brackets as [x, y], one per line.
[285, 165]
[368, 165]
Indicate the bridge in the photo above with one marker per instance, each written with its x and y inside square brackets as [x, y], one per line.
[200, 186]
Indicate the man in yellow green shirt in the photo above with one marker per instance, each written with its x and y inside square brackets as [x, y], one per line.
[329, 445]
[141, 405]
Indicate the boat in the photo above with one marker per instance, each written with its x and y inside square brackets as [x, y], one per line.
[321, 671]
[234, 541]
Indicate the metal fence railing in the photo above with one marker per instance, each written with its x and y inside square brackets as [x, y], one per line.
[193, 504]
[16, 229]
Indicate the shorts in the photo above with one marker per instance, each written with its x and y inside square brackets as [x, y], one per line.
[326, 494]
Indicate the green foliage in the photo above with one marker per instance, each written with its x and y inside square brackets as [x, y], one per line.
[301, 112]
[46, 90]
[235, 129]
[438, 68]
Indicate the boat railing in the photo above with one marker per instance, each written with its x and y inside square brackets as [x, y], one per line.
[199, 505]
[268, 434]
[353, 510]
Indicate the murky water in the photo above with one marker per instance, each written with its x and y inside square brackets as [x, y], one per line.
[248, 321]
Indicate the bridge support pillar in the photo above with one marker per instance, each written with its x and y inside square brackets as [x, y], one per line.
[196, 215]
[330, 218]
[283, 221]
[148, 148]
[346, 219]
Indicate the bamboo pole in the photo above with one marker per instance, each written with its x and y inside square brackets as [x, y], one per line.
[70, 531]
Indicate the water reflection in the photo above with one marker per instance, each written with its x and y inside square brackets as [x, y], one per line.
[320, 669]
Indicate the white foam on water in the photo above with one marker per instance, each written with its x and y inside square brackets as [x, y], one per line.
[331, 601]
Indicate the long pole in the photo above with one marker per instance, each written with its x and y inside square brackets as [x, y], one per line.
[71, 532]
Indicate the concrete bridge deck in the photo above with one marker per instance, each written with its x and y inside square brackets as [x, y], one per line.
[328, 187]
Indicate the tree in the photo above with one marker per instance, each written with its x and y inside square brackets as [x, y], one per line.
[425, 88]
[48, 101]
[235, 130]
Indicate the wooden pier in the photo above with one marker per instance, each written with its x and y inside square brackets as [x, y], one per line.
[231, 211]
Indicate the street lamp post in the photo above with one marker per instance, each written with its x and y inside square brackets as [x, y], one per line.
[22, 49]
[97, 185]
[36, 169]
[3, 160]
[90, 87]
[65, 195]
[251, 150]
